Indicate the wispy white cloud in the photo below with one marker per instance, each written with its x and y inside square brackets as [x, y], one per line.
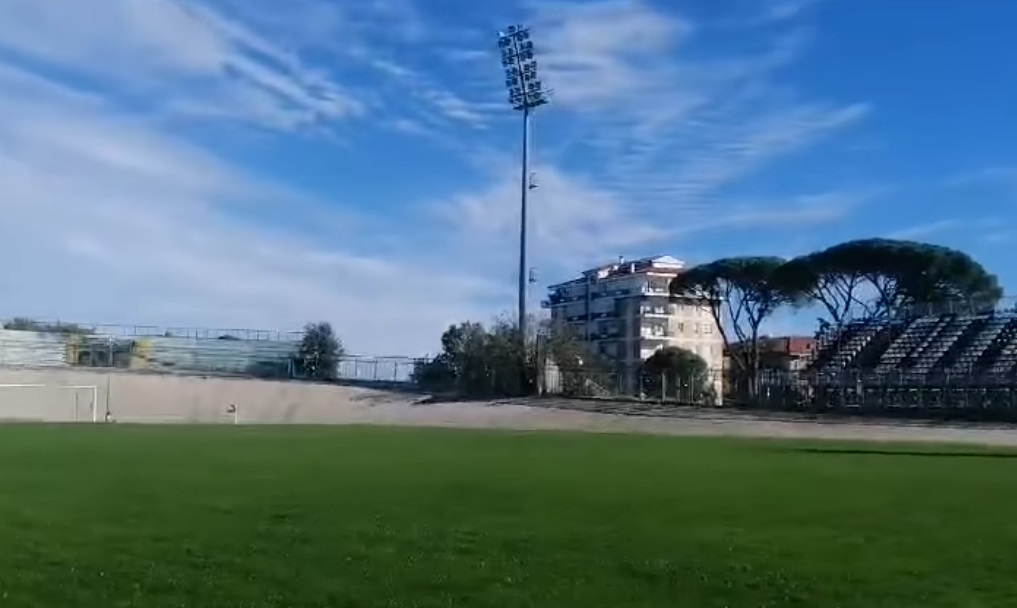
[770, 12]
[437, 101]
[573, 222]
[116, 220]
[180, 51]
[999, 175]
[605, 54]
[1000, 237]
[926, 230]
[947, 227]
[652, 127]
[669, 123]
[727, 151]
[798, 213]
[97, 191]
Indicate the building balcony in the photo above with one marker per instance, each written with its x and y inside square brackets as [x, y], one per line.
[609, 314]
[610, 293]
[561, 297]
[657, 313]
[662, 336]
[655, 291]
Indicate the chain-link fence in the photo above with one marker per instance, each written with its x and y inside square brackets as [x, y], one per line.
[635, 383]
[900, 390]
[255, 355]
[849, 392]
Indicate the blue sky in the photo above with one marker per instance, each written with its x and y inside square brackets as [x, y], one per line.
[250, 163]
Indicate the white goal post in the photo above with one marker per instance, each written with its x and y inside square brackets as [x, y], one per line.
[50, 403]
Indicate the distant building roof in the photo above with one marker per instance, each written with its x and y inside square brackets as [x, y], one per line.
[792, 346]
[623, 267]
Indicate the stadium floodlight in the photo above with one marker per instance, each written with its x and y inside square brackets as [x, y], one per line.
[526, 93]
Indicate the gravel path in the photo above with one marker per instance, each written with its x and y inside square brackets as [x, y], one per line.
[579, 415]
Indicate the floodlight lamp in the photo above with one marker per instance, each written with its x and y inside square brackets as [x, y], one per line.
[511, 29]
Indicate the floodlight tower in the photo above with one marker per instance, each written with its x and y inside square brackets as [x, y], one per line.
[526, 93]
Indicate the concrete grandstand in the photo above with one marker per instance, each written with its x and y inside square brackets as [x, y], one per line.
[954, 359]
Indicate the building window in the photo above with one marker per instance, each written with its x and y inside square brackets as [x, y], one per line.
[707, 328]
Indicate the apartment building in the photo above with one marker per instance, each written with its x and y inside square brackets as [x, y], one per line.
[625, 309]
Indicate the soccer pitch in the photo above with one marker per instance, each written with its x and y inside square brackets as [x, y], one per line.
[99, 516]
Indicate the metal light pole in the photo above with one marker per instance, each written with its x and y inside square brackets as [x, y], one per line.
[526, 93]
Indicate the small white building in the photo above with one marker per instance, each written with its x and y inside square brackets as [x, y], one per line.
[626, 309]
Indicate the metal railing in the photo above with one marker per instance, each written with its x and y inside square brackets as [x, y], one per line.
[1007, 304]
[122, 330]
[267, 359]
[967, 395]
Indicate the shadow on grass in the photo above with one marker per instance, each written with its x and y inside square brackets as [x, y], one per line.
[908, 453]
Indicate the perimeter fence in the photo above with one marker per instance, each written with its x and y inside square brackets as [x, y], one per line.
[852, 392]
[143, 349]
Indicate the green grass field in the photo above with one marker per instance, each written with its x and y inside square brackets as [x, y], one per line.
[251, 517]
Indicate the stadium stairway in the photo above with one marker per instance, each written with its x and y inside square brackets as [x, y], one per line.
[830, 342]
[923, 348]
[869, 356]
[983, 333]
[927, 358]
[998, 354]
[1006, 360]
[915, 334]
[849, 349]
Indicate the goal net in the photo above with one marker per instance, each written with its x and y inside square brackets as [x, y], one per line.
[49, 403]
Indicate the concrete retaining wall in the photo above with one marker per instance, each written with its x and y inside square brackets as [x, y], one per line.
[46, 395]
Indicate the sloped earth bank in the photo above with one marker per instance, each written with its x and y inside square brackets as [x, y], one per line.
[562, 414]
[71, 395]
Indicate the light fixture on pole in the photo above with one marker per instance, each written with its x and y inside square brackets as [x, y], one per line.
[526, 93]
